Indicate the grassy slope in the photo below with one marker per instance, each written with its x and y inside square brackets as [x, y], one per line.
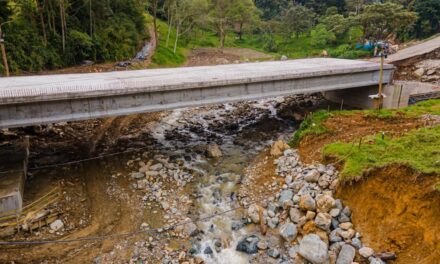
[419, 149]
[312, 125]
[164, 56]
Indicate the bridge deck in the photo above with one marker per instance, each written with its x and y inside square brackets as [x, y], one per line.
[74, 86]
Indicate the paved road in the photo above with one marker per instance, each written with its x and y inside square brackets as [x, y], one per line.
[416, 50]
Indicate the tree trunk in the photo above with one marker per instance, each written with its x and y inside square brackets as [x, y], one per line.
[5, 59]
[155, 21]
[170, 25]
[63, 33]
[177, 37]
[222, 35]
[90, 18]
[240, 33]
[43, 26]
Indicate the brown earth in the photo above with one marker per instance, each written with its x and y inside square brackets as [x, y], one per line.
[215, 56]
[397, 210]
[346, 128]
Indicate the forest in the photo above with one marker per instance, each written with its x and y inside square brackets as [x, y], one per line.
[50, 34]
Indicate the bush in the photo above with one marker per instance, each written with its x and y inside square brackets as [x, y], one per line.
[321, 37]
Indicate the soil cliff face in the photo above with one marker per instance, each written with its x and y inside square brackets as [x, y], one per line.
[398, 210]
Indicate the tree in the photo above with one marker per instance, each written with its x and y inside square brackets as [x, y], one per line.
[297, 19]
[354, 6]
[321, 37]
[243, 12]
[271, 8]
[220, 16]
[187, 14]
[336, 23]
[381, 20]
[429, 17]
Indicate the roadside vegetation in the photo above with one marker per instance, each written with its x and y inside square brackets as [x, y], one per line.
[417, 149]
[49, 34]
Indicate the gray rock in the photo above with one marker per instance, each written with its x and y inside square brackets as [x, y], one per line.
[347, 211]
[295, 214]
[366, 252]
[152, 173]
[336, 247]
[343, 218]
[334, 237]
[293, 251]
[312, 176]
[307, 203]
[156, 167]
[137, 175]
[323, 221]
[335, 223]
[262, 245]
[346, 255]
[338, 204]
[335, 212]
[273, 252]
[374, 260]
[324, 203]
[288, 231]
[253, 213]
[285, 195]
[56, 225]
[356, 242]
[313, 249]
[208, 251]
[283, 58]
[248, 244]
[288, 179]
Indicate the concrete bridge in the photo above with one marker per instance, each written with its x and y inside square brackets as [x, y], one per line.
[54, 98]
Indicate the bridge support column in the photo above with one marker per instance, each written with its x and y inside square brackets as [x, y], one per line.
[14, 157]
[396, 96]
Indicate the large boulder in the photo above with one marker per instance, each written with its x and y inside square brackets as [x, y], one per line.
[314, 249]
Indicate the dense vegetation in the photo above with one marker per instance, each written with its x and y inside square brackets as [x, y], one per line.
[45, 34]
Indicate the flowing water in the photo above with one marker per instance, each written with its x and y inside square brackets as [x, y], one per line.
[242, 131]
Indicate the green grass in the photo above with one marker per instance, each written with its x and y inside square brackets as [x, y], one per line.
[419, 150]
[312, 124]
[164, 56]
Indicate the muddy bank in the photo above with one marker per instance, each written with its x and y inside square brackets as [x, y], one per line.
[398, 210]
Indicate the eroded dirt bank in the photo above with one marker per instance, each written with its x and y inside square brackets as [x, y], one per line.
[398, 210]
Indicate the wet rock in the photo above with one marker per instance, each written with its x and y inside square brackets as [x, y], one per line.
[324, 203]
[208, 251]
[286, 195]
[248, 245]
[195, 248]
[213, 151]
[313, 249]
[288, 231]
[312, 176]
[307, 203]
[366, 252]
[346, 255]
[323, 221]
[56, 225]
[273, 252]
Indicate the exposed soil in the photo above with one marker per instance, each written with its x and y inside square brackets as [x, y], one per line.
[347, 128]
[397, 209]
[214, 56]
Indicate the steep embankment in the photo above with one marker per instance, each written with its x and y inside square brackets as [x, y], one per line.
[390, 173]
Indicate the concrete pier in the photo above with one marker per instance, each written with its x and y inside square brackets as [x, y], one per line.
[14, 157]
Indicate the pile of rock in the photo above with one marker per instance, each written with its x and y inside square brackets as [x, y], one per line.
[315, 227]
[427, 70]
